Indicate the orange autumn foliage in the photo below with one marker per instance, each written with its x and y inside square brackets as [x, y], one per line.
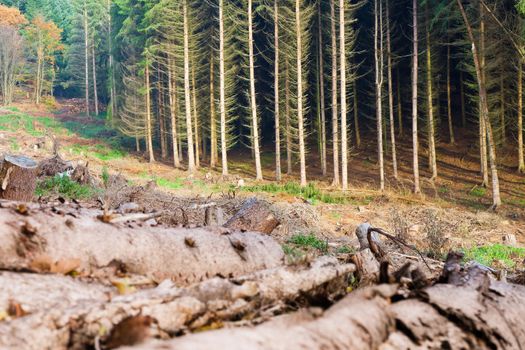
[10, 16]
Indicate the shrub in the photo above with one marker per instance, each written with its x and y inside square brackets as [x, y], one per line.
[65, 187]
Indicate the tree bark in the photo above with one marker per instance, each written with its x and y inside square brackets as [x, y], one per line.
[222, 100]
[86, 55]
[18, 178]
[187, 90]
[415, 145]
[173, 112]
[254, 215]
[335, 127]
[289, 154]
[94, 72]
[390, 92]
[378, 58]
[496, 198]
[214, 154]
[149, 132]
[85, 314]
[300, 117]
[342, 64]
[321, 94]
[276, 93]
[521, 160]
[253, 102]
[142, 251]
[449, 102]
[432, 157]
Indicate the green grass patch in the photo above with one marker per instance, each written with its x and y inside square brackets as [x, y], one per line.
[345, 250]
[309, 192]
[478, 192]
[169, 184]
[29, 124]
[65, 187]
[14, 145]
[309, 241]
[496, 254]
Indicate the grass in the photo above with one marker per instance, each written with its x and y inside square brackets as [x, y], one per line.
[172, 185]
[99, 151]
[65, 187]
[478, 192]
[310, 192]
[309, 241]
[14, 145]
[496, 254]
[35, 126]
[345, 250]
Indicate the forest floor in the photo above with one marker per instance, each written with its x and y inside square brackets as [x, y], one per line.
[452, 212]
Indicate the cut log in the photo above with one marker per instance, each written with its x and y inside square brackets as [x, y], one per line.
[362, 235]
[184, 255]
[76, 325]
[18, 178]
[53, 166]
[440, 317]
[254, 215]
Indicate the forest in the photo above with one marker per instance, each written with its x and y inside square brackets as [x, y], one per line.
[193, 80]
[262, 174]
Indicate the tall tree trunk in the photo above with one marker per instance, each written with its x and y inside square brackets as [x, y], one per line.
[482, 122]
[321, 93]
[342, 63]
[173, 112]
[356, 116]
[502, 103]
[162, 124]
[302, 151]
[94, 72]
[378, 59]
[253, 102]
[222, 100]
[113, 93]
[399, 104]
[390, 92]
[276, 92]
[187, 96]
[521, 161]
[149, 136]
[214, 154]
[195, 114]
[432, 163]
[449, 103]
[288, 122]
[40, 58]
[415, 144]
[496, 198]
[86, 55]
[335, 122]
[462, 97]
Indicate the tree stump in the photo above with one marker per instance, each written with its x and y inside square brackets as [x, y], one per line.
[254, 215]
[18, 178]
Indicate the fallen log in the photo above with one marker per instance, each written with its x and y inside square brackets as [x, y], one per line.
[254, 215]
[56, 235]
[175, 310]
[439, 317]
[18, 178]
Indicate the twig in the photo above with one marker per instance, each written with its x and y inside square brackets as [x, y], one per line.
[135, 217]
[398, 241]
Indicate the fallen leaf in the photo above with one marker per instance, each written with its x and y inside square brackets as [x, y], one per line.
[41, 263]
[15, 309]
[130, 331]
[65, 266]
[123, 286]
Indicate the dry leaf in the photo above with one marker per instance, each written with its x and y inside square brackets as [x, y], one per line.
[15, 309]
[123, 286]
[41, 263]
[130, 331]
[65, 266]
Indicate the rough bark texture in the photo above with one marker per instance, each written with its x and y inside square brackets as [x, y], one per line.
[254, 215]
[75, 325]
[440, 317]
[185, 255]
[18, 178]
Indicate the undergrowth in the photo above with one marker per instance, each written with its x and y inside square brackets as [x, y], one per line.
[496, 255]
[64, 186]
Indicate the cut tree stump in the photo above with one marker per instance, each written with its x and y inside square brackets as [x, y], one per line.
[18, 178]
[61, 235]
[254, 215]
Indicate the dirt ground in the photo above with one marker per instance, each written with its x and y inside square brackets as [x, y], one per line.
[450, 202]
